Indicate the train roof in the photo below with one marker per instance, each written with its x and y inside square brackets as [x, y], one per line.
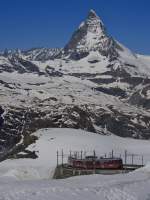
[96, 158]
[115, 158]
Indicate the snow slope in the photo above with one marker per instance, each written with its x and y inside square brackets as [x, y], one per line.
[24, 179]
[134, 186]
[51, 140]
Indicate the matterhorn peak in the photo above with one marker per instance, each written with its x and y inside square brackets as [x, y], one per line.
[91, 35]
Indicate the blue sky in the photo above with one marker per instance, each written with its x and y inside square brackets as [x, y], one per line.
[49, 23]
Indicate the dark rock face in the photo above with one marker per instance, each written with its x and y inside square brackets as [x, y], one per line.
[141, 98]
[20, 121]
[52, 72]
[112, 91]
[123, 125]
[11, 128]
[75, 55]
[70, 117]
[20, 65]
[1, 118]
[24, 121]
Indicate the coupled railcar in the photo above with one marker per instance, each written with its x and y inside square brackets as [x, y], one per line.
[91, 162]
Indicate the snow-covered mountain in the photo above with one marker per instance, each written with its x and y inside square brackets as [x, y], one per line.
[93, 83]
[91, 36]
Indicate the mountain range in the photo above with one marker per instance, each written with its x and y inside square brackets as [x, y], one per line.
[93, 83]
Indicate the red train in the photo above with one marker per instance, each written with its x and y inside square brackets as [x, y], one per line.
[92, 162]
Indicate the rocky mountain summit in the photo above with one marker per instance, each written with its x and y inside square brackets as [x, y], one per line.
[91, 36]
[93, 83]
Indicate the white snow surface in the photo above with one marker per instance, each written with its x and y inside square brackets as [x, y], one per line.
[134, 186]
[25, 179]
[51, 140]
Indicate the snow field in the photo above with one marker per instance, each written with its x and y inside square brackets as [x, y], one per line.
[52, 140]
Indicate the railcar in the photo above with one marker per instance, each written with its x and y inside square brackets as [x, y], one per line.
[93, 162]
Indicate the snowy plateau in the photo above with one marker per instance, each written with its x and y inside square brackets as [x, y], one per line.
[92, 94]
